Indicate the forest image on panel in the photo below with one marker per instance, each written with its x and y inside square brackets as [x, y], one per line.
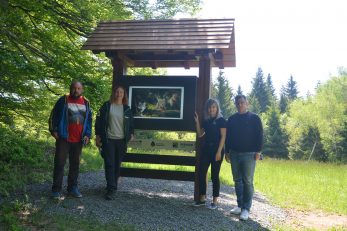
[157, 102]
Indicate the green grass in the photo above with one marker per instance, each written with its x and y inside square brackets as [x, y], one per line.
[291, 184]
[300, 185]
[21, 215]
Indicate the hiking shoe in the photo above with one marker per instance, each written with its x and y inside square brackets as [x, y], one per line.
[55, 195]
[244, 215]
[199, 203]
[212, 206]
[236, 211]
[110, 195]
[75, 192]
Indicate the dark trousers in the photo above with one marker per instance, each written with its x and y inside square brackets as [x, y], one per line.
[115, 151]
[208, 158]
[62, 150]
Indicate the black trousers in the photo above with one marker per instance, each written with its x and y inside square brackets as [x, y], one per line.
[64, 149]
[115, 151]
[208, 158]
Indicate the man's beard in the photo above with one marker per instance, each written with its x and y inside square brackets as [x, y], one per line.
[75, 95]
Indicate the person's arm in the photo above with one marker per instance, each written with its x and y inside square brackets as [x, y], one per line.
[98, 129]
[53, 119]
[227, 141]
[89, 121]
[259, 137]
[200, 131]
[131, 125]
[221, 144]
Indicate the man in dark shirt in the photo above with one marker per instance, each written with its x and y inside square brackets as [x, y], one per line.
[244, 142]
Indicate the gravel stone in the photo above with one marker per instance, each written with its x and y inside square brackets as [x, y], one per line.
[149, 204]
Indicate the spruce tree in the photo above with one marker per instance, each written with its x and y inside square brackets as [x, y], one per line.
[224, 95]
[283, 103]
[259, 91]
[291, 89]
[309, 146]
[239, 90]
[270, 89]
[275, 138]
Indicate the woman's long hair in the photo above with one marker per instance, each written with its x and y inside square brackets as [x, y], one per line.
[113, 95]
[208, 104]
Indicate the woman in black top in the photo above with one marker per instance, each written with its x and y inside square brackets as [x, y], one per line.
[214, 129]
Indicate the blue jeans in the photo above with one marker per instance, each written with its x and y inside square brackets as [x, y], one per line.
[242, 167]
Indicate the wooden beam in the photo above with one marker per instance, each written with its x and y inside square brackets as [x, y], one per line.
[203, 93]
[161, 57]
[157, 174]
[160, 159]
[119, 69]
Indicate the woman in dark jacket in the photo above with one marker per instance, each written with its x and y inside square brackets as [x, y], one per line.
[214, 129]
[114, 128]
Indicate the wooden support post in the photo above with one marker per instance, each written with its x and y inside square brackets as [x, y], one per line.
[119, 69]
[203, 93]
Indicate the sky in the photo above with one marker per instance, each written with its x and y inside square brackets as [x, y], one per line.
[303, 38]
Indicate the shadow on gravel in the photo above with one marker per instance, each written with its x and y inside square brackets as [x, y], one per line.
[147, 204]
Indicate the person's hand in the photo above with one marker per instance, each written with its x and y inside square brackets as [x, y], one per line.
[196, 118]
[55, 135]
[227, 157]
[218, 156]
[98, 141]
[257, 156]
[85, 140]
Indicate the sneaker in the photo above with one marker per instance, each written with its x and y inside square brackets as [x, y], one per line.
[199, 203]
[244, 215]
[110, 195]
[212, 206]
[56, 195]
[75, 192]
[236, 211]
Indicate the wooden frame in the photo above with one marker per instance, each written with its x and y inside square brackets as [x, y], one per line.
[186, 85]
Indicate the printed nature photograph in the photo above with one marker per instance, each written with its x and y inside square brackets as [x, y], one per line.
[153, 102]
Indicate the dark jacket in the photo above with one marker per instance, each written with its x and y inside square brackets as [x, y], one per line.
[58, 121]
[101, 122]
[244, 133]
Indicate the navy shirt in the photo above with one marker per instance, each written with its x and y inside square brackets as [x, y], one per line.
[212, 129]
[244, 133]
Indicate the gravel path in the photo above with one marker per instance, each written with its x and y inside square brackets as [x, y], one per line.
[149, 204]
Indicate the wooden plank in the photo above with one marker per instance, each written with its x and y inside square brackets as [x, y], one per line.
[160, 159]
[167, 26]
[163, 42]
[157, 174]
[162, 30]
[160, 34]
[162, 144]
[162, 38]
[154, 47]
[169, 21]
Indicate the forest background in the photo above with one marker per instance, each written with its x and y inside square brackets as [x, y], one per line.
[40, 55]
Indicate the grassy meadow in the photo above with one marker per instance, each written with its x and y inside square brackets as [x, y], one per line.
[307, 186]
[290, 184]
[299, 184]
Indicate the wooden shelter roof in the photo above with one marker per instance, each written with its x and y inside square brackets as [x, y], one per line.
[166, 43]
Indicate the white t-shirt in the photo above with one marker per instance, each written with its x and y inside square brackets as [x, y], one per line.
[115, 128]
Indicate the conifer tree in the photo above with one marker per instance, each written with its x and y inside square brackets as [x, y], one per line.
[291, 89]
[259, 91]
[224, 95]
[283, 103]
[270, 89]
[239, 90]
[275, 138]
